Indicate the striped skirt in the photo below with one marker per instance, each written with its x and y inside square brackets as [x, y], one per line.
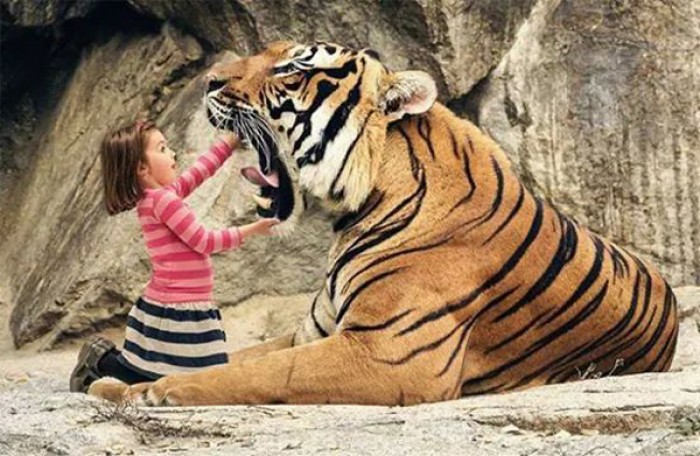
[164, 339]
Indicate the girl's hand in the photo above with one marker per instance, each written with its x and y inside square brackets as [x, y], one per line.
[231, 139]
[262, 227]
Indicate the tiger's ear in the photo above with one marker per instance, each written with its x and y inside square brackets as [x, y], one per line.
[407, 92]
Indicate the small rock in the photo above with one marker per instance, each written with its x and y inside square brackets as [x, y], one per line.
[562, 434]
[118, 450]
[512, 430]
[292, 446]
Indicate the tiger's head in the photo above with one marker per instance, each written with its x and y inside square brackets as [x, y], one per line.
[317, 116]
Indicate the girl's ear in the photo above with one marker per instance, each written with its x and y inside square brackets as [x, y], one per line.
[143, 169]
[407, 92]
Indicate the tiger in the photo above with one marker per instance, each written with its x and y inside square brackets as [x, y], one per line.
[446, 276]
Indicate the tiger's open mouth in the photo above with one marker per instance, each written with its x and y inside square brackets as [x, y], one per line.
[275, 198]
[276, 195]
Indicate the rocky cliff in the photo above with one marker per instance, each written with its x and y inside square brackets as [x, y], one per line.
[596, 102]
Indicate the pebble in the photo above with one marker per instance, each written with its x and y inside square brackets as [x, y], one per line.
[512, 430]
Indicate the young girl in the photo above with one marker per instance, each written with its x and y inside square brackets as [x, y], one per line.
[175, 326]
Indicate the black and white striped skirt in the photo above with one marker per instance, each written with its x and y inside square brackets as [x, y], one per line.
[164, 339]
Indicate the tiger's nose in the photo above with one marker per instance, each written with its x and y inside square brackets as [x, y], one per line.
[215, 85]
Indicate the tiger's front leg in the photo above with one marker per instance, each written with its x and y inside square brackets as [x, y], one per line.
[340, 369]
[115, 390]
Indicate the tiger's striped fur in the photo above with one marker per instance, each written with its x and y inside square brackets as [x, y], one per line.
[447, 276]
[499, 289]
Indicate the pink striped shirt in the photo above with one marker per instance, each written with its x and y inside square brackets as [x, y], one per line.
[178, 245]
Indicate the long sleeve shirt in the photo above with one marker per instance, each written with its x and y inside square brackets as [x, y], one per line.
[178, 245]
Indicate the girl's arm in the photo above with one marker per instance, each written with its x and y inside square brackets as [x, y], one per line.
[172, 211]
[205, 166]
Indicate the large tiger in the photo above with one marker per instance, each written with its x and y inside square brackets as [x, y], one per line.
[447, 277]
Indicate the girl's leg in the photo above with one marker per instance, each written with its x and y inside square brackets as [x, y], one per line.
[109, 366]
[97, 359]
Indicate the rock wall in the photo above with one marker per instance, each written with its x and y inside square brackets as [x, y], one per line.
[595, 102]
[598, 105]
[71, 269]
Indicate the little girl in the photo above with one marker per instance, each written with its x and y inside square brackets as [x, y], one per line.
[175, 326]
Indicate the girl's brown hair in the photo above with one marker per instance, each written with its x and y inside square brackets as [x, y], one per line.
[121, 154]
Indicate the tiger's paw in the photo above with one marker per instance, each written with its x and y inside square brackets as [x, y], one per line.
[110, 389]
[168, 391]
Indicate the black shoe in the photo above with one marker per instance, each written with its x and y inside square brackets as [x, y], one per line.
[86, 371]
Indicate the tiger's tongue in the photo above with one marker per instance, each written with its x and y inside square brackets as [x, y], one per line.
[254, 176]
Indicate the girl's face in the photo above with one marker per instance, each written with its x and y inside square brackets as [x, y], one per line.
[160, 167]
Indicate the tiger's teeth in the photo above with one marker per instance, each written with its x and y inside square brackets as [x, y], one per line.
[265, 203]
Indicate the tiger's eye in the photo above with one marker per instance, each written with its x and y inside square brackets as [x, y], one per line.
[284, 69]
